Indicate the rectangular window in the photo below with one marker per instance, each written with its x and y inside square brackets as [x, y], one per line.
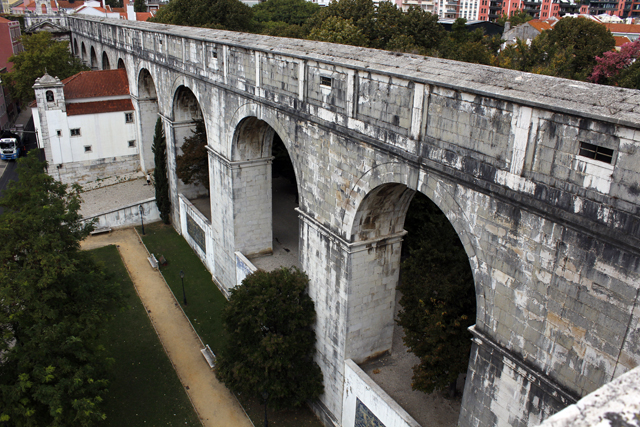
[87, 149]
[214, 53]
[325, 81]
[59, 132]
[75, 132]
[132, 143]
[128, 117]
[596, 152]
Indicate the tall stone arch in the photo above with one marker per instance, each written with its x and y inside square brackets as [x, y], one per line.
[146, 98]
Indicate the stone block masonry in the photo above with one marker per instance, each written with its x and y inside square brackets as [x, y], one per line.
[551, 225]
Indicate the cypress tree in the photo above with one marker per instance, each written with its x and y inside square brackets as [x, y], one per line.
[160, 173]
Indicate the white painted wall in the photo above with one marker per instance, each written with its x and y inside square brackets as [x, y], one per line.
[107, 133]
[358, 385]
[128, 215]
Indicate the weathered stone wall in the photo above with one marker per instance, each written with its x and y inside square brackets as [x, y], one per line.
[94, 170]
[552, 236]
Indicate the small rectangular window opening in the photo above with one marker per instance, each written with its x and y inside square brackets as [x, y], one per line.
[75, 132]
[596, 152]
[59, 132]
[128, 117]
[325, 81]
[87, 149]
[132, 143]
[214, 53]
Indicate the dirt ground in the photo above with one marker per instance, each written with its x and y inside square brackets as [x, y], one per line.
[214, 404]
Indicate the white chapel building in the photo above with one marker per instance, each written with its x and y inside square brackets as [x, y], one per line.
[85, 124]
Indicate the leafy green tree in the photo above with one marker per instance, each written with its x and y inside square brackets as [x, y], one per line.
[468, 46]
[41, 54]
[271, 343]
[619, 68]
[516, 19]
[568, 50]
[55, 301]
[292, 12]
[338, 30]
[572, 46]
[139, 6]
[192, 166]
[159, 149]
[359, 14]
[114, 3]
[438, 297]
[230, 15]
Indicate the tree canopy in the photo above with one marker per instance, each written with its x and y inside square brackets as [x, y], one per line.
[41, 54]
[438, 297]
[230, 15]
[269, 320]
[619, 68]
[568, 50]
[55, 301]
[192, 166]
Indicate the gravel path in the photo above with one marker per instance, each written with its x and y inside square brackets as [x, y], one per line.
[115, 196]
[214, 404]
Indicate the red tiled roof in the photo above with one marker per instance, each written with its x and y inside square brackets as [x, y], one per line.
[623, 28]
[539, 25]
[4, 20]
[80, 108]
[620, 40]
[64, 4]
[143, 16]
[92, 84]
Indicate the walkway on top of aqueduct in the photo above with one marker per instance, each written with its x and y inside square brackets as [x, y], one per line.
[553, 237]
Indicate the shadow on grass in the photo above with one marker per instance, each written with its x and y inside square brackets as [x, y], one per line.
[144, 389]
[204, 307]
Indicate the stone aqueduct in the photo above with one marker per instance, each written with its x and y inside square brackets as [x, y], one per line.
[552, 236]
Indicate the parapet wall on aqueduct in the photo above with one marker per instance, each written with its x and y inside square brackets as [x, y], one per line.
[552, 234]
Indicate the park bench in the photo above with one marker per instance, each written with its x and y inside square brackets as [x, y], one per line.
[209, 356]
[153, 261]
[101, 230]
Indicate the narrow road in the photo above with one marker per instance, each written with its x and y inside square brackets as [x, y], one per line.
[214, 404]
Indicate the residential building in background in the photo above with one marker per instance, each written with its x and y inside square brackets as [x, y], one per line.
[10, 43]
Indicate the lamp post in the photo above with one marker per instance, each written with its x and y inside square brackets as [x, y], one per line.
[141, 218]
[265, 396]
[184, 296]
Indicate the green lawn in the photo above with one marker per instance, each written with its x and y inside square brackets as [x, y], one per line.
[204, 305]
[144, 388]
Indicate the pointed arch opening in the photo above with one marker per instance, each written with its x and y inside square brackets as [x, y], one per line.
[190, 153]
[75, 47]
[83, 55]
[105, 61]
[265, 192]
[121, 64]
[148, 108]
[94, 59]
[418, 299]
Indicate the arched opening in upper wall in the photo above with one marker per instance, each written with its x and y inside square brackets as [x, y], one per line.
[105, 61]
[83, 54]
[148, 108]
[415, 300]
[121, 64]
[76, 52]
[94, 59]
[192, 164]
[265, 193]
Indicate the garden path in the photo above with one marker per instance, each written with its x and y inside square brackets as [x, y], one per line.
[213, 402]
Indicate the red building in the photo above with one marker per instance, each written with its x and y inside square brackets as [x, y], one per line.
[10, 43]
